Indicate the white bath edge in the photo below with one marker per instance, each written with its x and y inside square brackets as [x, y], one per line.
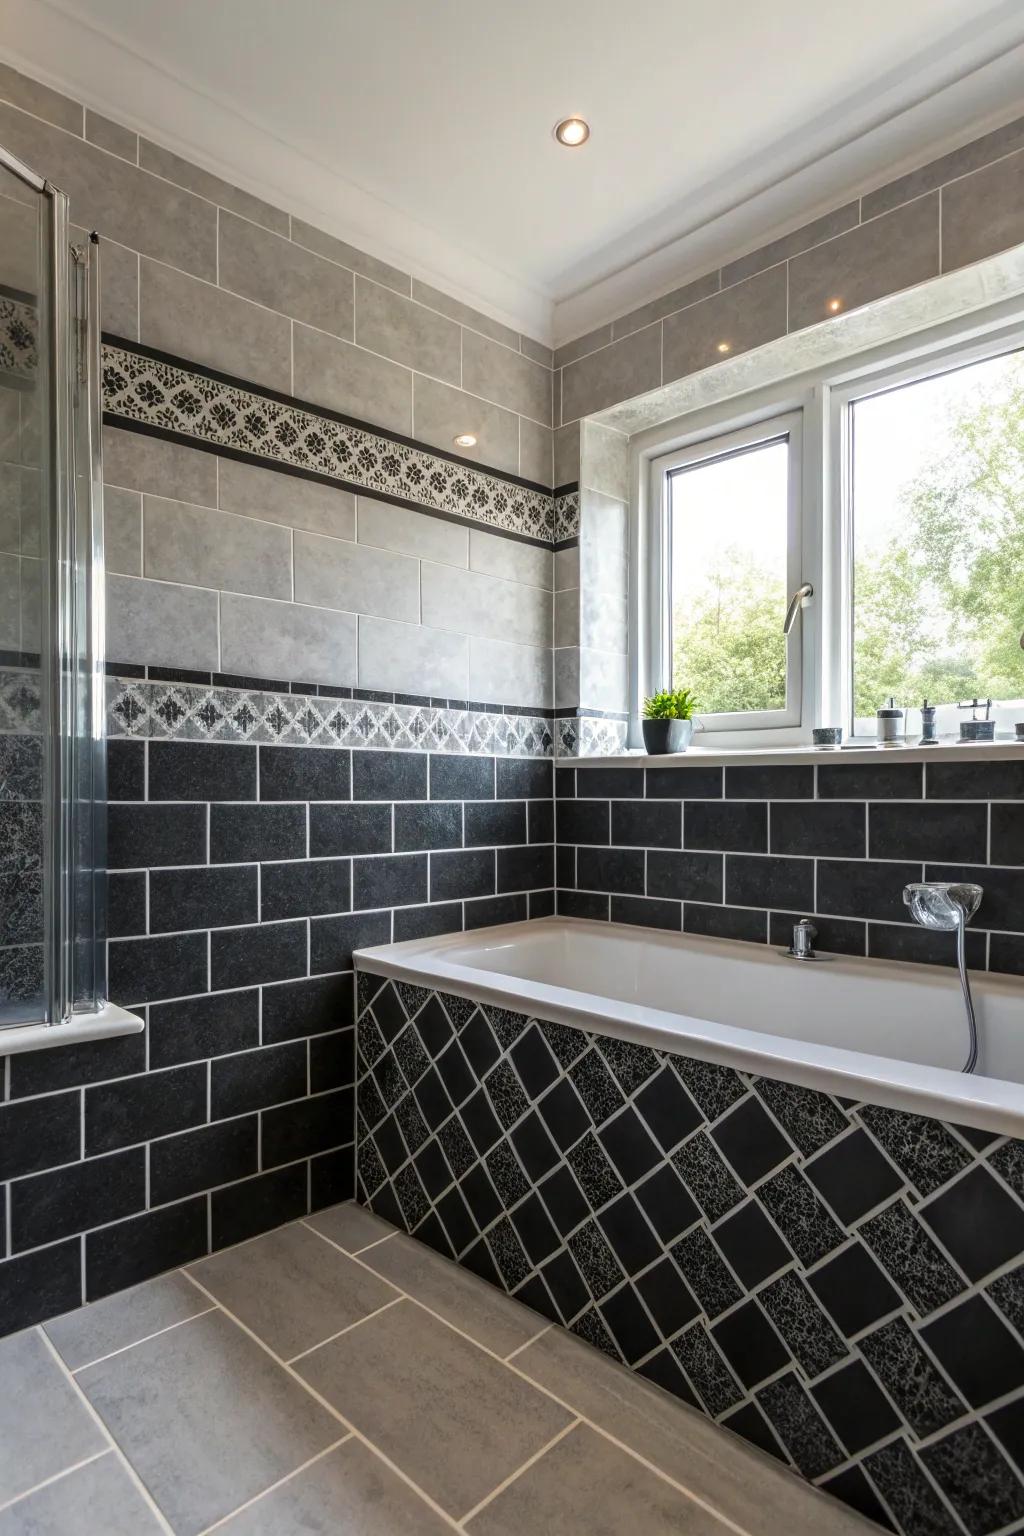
[941, 1093]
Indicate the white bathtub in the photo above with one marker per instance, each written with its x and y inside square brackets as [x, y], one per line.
[891, 1033]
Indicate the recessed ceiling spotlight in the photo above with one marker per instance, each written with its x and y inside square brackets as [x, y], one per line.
[724, 346]
[572, 132]
[466, 440]
[835, 305]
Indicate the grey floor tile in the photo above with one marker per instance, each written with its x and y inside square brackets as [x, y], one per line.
[349, 1490]
[584, 1483]
[450, 1416]
[88, 1333]
[291, 1288]
[206, 1418]
[479, 1309]
[99, 1497]
[44, 1425]
[351, 1226]
[744, 1484]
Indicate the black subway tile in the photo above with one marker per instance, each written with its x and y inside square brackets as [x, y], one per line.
[242, 833]
[292, 1009]
[495, 909]
[647, 824]
[139, 1108]
[490, 822]
[202, 898]
[143, 1246]
[583, 821]
[1002, 904]
[201, 1159]
[126, 769]
[309, 1126]
[245, 956]
[858, 888]
[420, 825]
[685, 876]
[256, 1205]
[332, 939]
[790, 782]
[195, 1028]
[541, 815]
[1006, 954]
[696, 783]
[647, 913]
[461, 778]
[975, 781]
[541, 904]
[582, 904]
[305, 773]
[1007, 834]
[126, 904]
[74, 1066]
[305, 889]
[565, 783]
[88, 1194]
[928, 831]
[39, 1133]
[462, 873]
[390, 880]
[892, 942]
[565, 866]
[526, 869]
[145, 970]
[724, 824]
[725, 922]
[141, 836]
[201, 770]
[40, 1285]
[346, 829]
[426, 922]
[835, 828]
[870, 781]
[759, 881]
[609, 783]
[836, 935]
[389, 776]
[619, 870]
[524, 778]
[270, 1075]
[332, 1061]
[332, 1178]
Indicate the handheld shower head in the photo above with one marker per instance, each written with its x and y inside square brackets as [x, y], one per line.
[943, 905]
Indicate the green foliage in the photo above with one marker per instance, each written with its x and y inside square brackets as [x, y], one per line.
[670, 704]
[730, 640]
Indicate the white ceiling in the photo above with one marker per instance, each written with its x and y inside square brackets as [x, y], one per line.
[421, 129]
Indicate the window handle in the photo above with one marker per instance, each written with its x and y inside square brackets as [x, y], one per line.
[796, 602]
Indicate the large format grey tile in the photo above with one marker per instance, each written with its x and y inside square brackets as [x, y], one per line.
[476, 604]
[537, 350]
[206, 1418]
[111, 136]
[284, 276]
[535, 452]
[335, 573]
[508, 378]
[349, 379]
[567, 454]
[413, 658]
[141, 463]
[959, 162]
[291, 1288]
[667, 304]
[485, 1313]
[448, 1415]
[496, 556]
[349, 256]
[604, 675]
[604, 460]
[626, 368]
[423, 293]
[892, 252]
[262, 638]
[579, 346]
[351, 1226]
[349, 1490]
[85, 1335]
[99, 1497]
[195, 320]
[412, 533]
[119, 287]
[407, 332]
[441, 413]
[584, 1483]
[44, 1425]
[738, 1481]
[162, 624]
[40, 100]
[604, 544]
[802, 239]
[184, 174]
[739, 318]
[216, 549]
[502, 672]
[983, 213]
[286, 499]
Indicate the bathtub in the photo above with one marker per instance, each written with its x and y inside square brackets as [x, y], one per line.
[884, 1032]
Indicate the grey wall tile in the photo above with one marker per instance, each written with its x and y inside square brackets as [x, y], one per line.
[158, 623]
[567, 454]
[412, 533]
[475, 604]
[657, 309]
[40, 100]
[10, 508]
[31, 603]
[440, 412]
[122, 531]
[569, 351]
[744, 316]
[348, 256]
[504, 673]
[496, 556]
[410, 658]
[535, 451]
[346, 378]
[604, 460]
[423, 293]
[604, 680]
[537, 351]
[119, 290]
[983, 213]
[802, 239]
[508, 378]
[163, 469]
[10, 602]
[891, 252]
[626, 368]
[10, 424]
[331, 573]
[116, 199]
[111, 136]
[567, 617]
[567, 568]
[266, 639]
[198, 547]
[286, 499]
[406, 332]
[604, 544]
[567, 677]
[195, 320]
[603, 622]
[184, 174]
[959, 162]
[274, 271]
[19, 242]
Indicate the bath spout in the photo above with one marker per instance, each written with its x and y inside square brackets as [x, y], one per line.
[940, 905]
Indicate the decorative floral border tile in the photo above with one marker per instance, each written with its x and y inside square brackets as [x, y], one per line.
[589, 736]
[567, 516]
[19, 336]
[188, 712]
[170, 397]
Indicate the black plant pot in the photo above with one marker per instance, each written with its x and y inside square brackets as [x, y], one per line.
[661, 736]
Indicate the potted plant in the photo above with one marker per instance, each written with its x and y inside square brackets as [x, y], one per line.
[668, 721]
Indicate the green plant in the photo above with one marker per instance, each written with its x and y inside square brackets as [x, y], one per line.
[670, 704]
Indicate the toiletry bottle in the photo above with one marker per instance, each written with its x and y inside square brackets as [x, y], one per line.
[889, 722]
[929, 736]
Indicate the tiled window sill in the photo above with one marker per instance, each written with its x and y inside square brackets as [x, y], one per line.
[946, 751]
[108, 1023]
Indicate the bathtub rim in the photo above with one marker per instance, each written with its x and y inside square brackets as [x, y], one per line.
[939, 1093]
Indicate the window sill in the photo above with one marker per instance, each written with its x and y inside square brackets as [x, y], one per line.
[946, 751]
[108, 1023]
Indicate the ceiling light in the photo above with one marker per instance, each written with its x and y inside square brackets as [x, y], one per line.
[466, 440]
[572, 132]
[724, 346]
[835, 305]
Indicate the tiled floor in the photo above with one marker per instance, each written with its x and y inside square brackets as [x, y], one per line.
[336, 1376]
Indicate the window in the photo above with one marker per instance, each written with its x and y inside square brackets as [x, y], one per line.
[881, 511]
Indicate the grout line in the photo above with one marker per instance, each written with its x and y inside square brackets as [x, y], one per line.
[218, 1524]
[87, 1364]
[48, 1481]
[513, 1476]
[347, 1329]
[520, 1347]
